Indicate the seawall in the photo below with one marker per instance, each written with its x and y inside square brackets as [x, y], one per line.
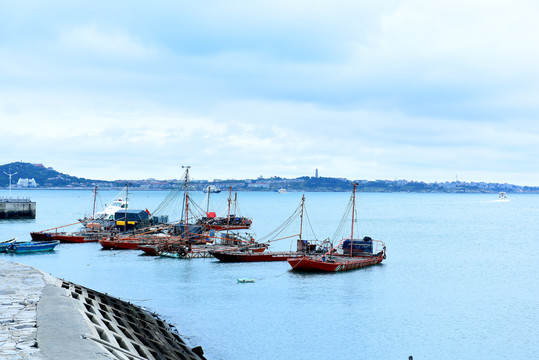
[46, 318]
[12, 209]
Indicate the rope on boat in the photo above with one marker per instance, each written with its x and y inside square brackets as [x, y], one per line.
[277, 231]
[58, 227]
[168, 202]
[308, 220]
[340, 229]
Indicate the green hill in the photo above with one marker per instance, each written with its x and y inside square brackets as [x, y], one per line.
[44, 177]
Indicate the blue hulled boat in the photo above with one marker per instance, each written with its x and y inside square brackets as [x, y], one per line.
[32, 246]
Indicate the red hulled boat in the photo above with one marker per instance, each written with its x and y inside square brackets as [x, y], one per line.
[354, 253]
[335, 262]
[90, 234]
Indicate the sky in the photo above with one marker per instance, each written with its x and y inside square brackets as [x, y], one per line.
[414, 89]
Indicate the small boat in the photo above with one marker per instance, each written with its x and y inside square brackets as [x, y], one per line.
[354, 253]
[32, 246]
[134, 242]
[502, 196]
[183, 249]
[40, 236]
[251, 256]
[186, 251]
[334, 263]
[231, 222]
[211, 189]
[245, 280]
[90, 232]
[119, 202]
[68, 237]
[282, 191]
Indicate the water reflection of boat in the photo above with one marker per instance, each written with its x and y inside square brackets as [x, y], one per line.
[349, 254]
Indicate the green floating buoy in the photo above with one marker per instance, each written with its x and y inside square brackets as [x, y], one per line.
[245, 280]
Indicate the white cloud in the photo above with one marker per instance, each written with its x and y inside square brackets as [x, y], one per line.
[92, 38]
[406, 89]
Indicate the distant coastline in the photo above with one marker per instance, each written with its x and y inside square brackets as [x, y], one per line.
[40, 177]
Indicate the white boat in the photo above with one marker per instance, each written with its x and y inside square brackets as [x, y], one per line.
[502, 196]
[110, 210]
[282, 191]
[211, 189]
[119, 202]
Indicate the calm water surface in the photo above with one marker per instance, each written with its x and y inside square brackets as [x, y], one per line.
[460, 280]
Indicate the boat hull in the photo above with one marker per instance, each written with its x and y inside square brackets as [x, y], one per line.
[40, 236]
[336, 263]
[64, 237]
[31, 246]
[70, 238]
[124, 244]
[226, 227]
[149, 249]
[226, 256]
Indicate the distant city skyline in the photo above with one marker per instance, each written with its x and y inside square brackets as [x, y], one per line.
[360, 90]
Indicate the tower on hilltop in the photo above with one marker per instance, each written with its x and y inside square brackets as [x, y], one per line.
[316, 173]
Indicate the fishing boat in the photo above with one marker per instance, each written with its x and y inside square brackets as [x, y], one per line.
[188, 252]
[249, 254]
[128, 243]
[94, 227]
[179, 247]
[232, 221]
[105, 216]
[85, 235]
[349, 254]
[211, 189]
[252, 256]
[197, 240]
[32, 246]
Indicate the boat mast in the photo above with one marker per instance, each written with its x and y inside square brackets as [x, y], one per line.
[301, 217]
[208, 204]
[95, 195]
[186, 200]
[228, 216]
[126, 200]
[353, 212]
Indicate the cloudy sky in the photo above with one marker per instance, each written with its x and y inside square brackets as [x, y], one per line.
[412, 89]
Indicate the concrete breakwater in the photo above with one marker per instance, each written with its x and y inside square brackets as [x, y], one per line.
[46, 318]
[17, 209]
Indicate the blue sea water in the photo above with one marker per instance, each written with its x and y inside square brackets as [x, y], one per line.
[460, 280]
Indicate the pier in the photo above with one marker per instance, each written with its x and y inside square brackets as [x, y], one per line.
[46, 318]
[17, 208]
